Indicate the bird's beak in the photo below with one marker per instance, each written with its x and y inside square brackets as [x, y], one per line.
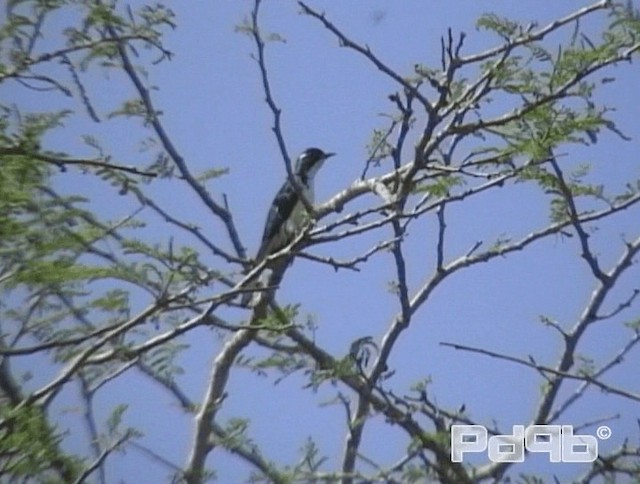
[328, 155]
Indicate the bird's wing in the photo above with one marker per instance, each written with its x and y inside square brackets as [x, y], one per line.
[281, 208]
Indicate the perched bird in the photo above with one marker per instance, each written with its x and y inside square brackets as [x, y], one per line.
[287, 214]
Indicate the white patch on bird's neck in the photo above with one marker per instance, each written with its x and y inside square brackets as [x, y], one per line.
[299, 215]
[311, 175]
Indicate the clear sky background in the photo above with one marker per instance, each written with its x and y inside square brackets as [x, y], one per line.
[213, 109]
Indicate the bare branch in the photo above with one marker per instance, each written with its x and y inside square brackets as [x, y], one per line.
[277, 127]
[61, 162]
[97, 464]
[616, 360]
[544, 369]
[587, 254]
[366, 52]
[153, 118]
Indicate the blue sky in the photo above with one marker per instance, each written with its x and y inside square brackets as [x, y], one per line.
[212, 103]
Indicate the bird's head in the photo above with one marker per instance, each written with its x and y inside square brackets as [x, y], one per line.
[309, 162]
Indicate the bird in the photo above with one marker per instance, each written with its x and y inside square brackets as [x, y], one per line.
[288, 214]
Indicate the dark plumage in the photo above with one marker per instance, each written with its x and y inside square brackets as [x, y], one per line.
[287, 213]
